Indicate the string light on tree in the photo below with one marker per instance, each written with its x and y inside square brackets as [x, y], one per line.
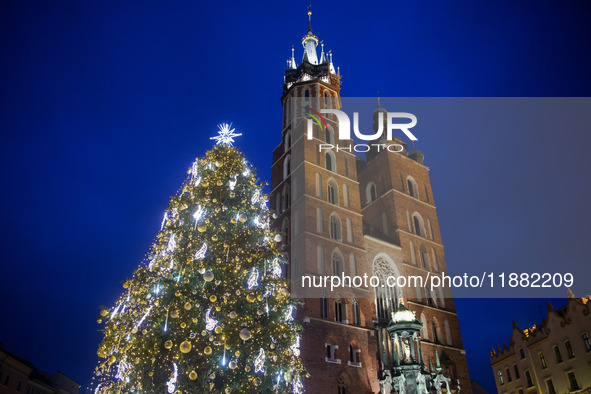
[192, 317]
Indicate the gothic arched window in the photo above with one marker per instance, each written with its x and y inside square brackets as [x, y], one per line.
[413, 190]
[337, 263]
[287, 167]
[330, 162]
[342, 386]
[386, 296]
[335, 227]
[333, 192]
[371, 192]
[419, 224]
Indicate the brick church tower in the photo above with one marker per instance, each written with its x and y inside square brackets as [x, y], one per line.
[342, 214]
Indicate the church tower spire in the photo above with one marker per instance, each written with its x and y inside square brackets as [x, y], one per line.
[310, 42]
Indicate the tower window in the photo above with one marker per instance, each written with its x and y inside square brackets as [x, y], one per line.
[569, 349]
[574, 385]
[323, 305]
[333, 193]
[342, 387]
[330, 161]
[287, 141]
[419, 224]
[586, 341]
[354, 356]
[346, 195]
[550, 385]
[557, 354]
[412, 187]
[287, 167]
[331, 353]
[329, 135]
[371, 192]
[516, 371]
[530, 383]
[508, 373]
[285, 230]
[349, 230]
[339, 312]
[326, 99]
[501, 380]
[337, 263]
[424, 257]
[543, 361]
[335, 227]
[356, 314]
[521, 354]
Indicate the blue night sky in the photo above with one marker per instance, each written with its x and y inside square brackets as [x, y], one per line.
[104, 104]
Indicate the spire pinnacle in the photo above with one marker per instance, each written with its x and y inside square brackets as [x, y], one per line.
[379, 106]
[309, 19]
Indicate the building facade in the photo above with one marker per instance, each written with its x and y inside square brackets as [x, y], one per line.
[344, 215]
[552, 357]
[20, 376]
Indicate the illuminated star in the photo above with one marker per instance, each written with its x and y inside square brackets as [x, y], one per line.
[226, 135]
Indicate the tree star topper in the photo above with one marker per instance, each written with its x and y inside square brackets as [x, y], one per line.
[226, 135]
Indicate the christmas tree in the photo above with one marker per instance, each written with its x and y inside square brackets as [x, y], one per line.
[209, 310]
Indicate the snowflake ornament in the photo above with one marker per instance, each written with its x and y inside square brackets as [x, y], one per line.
[226, 135]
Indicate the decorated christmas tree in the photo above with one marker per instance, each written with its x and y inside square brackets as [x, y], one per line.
[209, 310]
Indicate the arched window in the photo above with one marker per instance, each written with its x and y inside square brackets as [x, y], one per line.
[419, 224]
[371, 192]
[501, 380]
[342, 386]
[329, 135]
[287, 141]
[339, 311]
[386, 297]
[319, 220]
[384, 223]
[306, 95]
[434, 331]
[413, 256]
[349, 231]
[330, 161]
[285, 231]
[323, 305]
[318, 185]
[333, 192]
[435, 263]
[286, 167]
[586, 341]
[335, 227]
[356, 313]
[424, 330]
[285, 197]
[337, 263]
[413, 190]
[447, 333]
[320, 259]
[346, 196]
[424, 257]
[508, 372]
[326, 99]
[354, 355]
[353, 264]
[556, 353]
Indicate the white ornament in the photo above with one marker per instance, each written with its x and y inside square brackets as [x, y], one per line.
[252, 280]
[289, 313]
[198, 214]
[171, 244]
[201, 252]
[295, 348]
[171, 384]
[276, 268]
[209, 322]
[256, 197]
[259, 362]
[233, 182]
[226, 136]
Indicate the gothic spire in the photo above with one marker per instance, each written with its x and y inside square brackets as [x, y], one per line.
[310, 42]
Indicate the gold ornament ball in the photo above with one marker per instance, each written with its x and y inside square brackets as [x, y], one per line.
[219, 183]
[207, 350]
[213, 298]
[215, 199]
[242, 217]
[186, 281]
[278, 238]
[104, 312]
[245, 334]
[260, 297]
[218, 163]
[112, 359]
[250, 298]
[174, 314]
[137, 360]
[188, 306]
[201, 228]
[218, 308]
[194, 320]
[257, 382]
[232, 315]
[151, 373]
[272, 346]
[208, 276]
[168, 345]
[214, 238]
[178, 293]
[193, 375]
[259, 312]
[247, 368]
[185, 347]
[237, 353]
[183, 325]
[218, 330]
[101, 353]
[228, 390]
[134, 330]
[99, 321]
[233, 221]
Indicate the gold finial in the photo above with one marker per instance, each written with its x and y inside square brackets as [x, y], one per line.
[379, 106]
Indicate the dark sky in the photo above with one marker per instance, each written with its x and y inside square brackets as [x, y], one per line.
[104, 104]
